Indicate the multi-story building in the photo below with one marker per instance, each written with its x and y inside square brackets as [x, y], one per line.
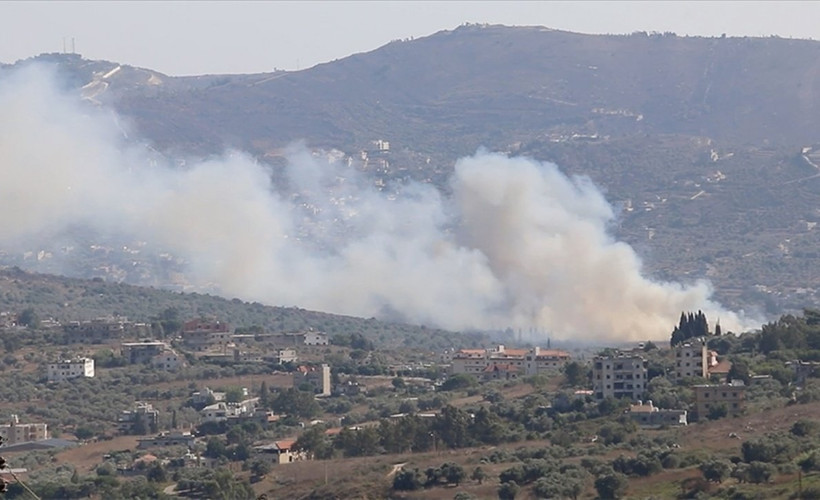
[67, 369]
[692, 359]
[103, 330]
[157, 354]
[315, 338]
[620, 376]
[318, 377]
[543, 360]
[200, 335]
[525, 361]
[141, 419]
[731, 397]
[14, 432]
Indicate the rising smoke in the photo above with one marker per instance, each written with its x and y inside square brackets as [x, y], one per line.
[518, 244]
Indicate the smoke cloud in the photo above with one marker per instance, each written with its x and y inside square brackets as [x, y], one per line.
[518, 244]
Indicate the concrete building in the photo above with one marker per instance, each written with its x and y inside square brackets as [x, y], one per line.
[15, 433]
[621, 376]
[157, 354]
[174, 438]
[206, 397]
[648, 416]
[222, 411]
[200, 335]
[732, 397]
[280, 452]
[283, 355]
[544, 360]
[315, 338]
[70, 368]
[318, 377]
[141, 419]
[691, 359]
[526, 361]
[104, 330]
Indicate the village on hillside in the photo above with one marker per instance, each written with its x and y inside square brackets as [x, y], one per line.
[207, 396]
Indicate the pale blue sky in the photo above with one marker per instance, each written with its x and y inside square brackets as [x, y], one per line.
[184, 38]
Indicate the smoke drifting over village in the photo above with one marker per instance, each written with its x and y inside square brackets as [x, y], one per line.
[517, 245]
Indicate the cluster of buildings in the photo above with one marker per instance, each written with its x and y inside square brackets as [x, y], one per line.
[625, 376]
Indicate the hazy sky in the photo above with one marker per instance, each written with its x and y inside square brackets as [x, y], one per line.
[185, 38]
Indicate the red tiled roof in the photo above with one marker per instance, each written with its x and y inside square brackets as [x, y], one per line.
[285, 444]
[722, 367]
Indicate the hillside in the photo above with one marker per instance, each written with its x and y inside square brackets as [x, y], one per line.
[70, 299]
[697, 141]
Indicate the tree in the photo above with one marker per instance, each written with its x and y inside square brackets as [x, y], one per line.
[453, 473]
[508, 490]
[459, 381]
[28, 318]
[156, 474]
[716, 471]
[575, 373]
[215, 448]
[407, 480]
[260, 468]
[761, 472]
[717, 411]
[611, 485]
[264, 395]
[478, 475]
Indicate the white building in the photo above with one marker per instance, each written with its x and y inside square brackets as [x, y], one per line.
[692, 359]
[67, 369]
[222, 412]
[622, 376]
[315, 338]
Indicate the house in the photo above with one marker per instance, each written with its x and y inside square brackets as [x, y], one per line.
[14, 432]
[141, 419]
[720, 370]
[283, 355]
[310, 338]
[318, 378]
[280, 452]
[206, 397]
[349, 388]
[222, 411]
[199, 334]
[157, 354]
[174, 438]
[66, 369]
[315, 338]
[803, 370]
[646, 415]
[619, 376]
[731, 397]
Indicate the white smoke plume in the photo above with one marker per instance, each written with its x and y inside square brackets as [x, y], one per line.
[517, 245]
